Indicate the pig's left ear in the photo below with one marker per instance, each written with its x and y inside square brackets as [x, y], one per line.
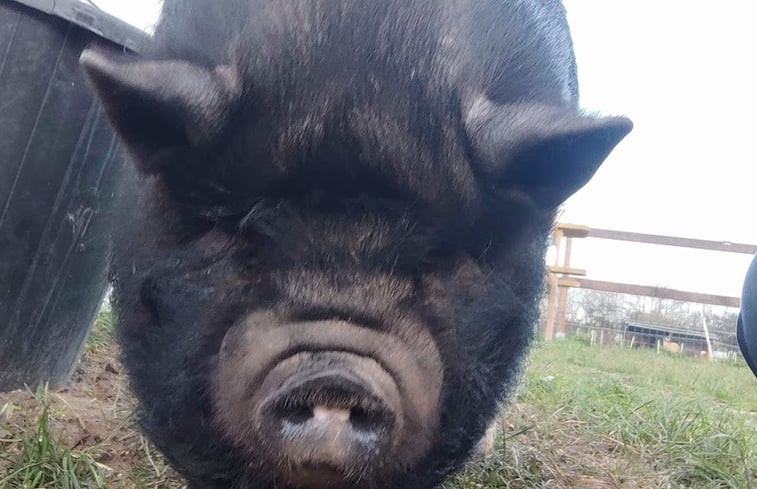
[155, 105]
[548, 152]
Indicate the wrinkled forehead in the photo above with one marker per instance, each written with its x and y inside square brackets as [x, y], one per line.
[345, 95]
[338, 34]
[379, 146]
[511, 51]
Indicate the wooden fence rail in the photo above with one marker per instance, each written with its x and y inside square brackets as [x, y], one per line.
[561, 276]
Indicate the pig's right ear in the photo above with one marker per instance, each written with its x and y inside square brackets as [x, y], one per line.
[547, 152]
[155, 105]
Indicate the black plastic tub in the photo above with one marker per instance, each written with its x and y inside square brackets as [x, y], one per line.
[59, 170]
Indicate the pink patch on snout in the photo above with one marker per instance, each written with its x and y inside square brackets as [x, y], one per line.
[326, 415]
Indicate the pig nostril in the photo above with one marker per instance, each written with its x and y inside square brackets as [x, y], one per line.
[360, 419]
[328, 412]
[363, 420]
[295, 414]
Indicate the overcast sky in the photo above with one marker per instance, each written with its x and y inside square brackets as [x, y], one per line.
[685, 72]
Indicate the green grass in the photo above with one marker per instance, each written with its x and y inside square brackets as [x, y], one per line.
[103, 330]
[610, 417]
[583, 417]
[36, 459]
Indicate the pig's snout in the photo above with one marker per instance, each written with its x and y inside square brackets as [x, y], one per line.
[333, 412]
[345, 402]
[328, 401]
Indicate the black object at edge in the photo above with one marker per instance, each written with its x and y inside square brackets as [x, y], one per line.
[90, 17]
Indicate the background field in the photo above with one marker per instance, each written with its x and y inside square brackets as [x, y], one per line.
[584, 417]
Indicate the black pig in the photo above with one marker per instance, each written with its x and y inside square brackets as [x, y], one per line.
[330, 251]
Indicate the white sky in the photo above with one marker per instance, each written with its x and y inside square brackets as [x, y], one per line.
[685, 72]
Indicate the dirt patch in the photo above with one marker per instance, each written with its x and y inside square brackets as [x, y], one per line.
[95, 414]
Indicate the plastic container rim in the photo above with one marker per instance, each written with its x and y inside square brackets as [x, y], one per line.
[90, 17]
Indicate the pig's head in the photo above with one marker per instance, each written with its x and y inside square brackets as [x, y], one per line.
[330, 251]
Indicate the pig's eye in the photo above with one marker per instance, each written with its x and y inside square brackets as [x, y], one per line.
[481, 249]
[475, 242]
[192, 228]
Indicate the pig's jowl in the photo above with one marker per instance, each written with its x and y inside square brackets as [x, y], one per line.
[330, 247]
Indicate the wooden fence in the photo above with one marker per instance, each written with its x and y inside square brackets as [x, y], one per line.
[561, 276]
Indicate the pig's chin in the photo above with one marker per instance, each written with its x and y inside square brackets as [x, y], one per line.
[327, 404]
